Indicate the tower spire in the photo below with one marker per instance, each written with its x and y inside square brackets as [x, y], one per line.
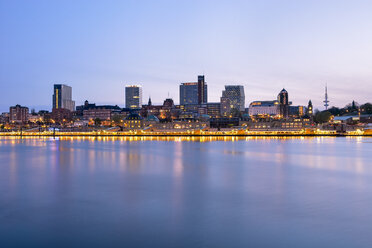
[326, 101]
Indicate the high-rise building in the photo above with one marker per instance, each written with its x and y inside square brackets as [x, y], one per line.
[202, 90]
[236, 97]
[194, 92]
[188, 93]
[62, 97]
[18, 113]
[133, 96]
[283, 103]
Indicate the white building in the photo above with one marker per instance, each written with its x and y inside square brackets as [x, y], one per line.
[264, 108]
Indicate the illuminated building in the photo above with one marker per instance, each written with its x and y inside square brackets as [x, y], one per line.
[194, 92]
[225, 106]
[91, 111]
[62, 97]
[310, 108]
[61, 115]
[297, 111]
[264, 108]
[18, 114]
[4, 118]
[150, 109]
[133, 121]
[236, 98]
[283, 103]
[214, 109]
[133, 96]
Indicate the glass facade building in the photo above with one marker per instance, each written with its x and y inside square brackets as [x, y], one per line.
[133, 96]
[194, 92]
[236, 97]
[62, 97]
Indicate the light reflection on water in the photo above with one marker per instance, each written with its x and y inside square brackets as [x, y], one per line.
[186, 191]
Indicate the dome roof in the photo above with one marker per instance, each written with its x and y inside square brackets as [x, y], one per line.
[133, 116]
[152, 118]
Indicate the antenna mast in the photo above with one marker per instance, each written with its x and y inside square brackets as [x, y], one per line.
[326, 101]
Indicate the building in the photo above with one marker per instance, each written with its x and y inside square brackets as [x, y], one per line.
[224, 122]
[194, 92]
[179, 125]
[188, 93]
[91, 111]
[97, 113]
[202, 90]
[61, 115]
[297, 111]
[283, 103]
[165, 113]
[310, 108]
[214, 109]
[18, 114]
[264, 108]
[62, 97]
[150, 109]
[133, 96]
[134, 121]
[225, 106]
[4, 118]
[236, 97]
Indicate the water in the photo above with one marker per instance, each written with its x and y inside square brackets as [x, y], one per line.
[179, 192]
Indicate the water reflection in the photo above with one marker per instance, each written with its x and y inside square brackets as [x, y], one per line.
[186, 191]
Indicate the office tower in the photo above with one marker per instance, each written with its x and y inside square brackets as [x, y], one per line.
[202, 90]
[194, 92]
[188, 93]
[236, 97]
[133, 96]
[18, 114]
[62, 97]
[283, 103]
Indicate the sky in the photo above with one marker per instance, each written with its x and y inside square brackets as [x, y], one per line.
[98, 47]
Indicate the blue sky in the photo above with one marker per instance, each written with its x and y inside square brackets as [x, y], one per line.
[98, 47]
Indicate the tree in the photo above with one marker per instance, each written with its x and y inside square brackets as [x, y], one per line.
[97, 122]
[117, 119]
[334, 111]
[322, 117]
[366, 108]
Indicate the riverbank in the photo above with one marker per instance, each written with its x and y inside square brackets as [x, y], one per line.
[318, 133]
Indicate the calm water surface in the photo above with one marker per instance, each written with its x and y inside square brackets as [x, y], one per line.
[177, 192]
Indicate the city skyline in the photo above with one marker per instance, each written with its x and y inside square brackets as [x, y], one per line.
[141, 100]
[263, 46]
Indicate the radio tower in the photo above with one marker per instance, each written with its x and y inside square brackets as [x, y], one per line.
[326, 99]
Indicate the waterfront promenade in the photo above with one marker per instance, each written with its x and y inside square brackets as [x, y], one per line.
[104, 133]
